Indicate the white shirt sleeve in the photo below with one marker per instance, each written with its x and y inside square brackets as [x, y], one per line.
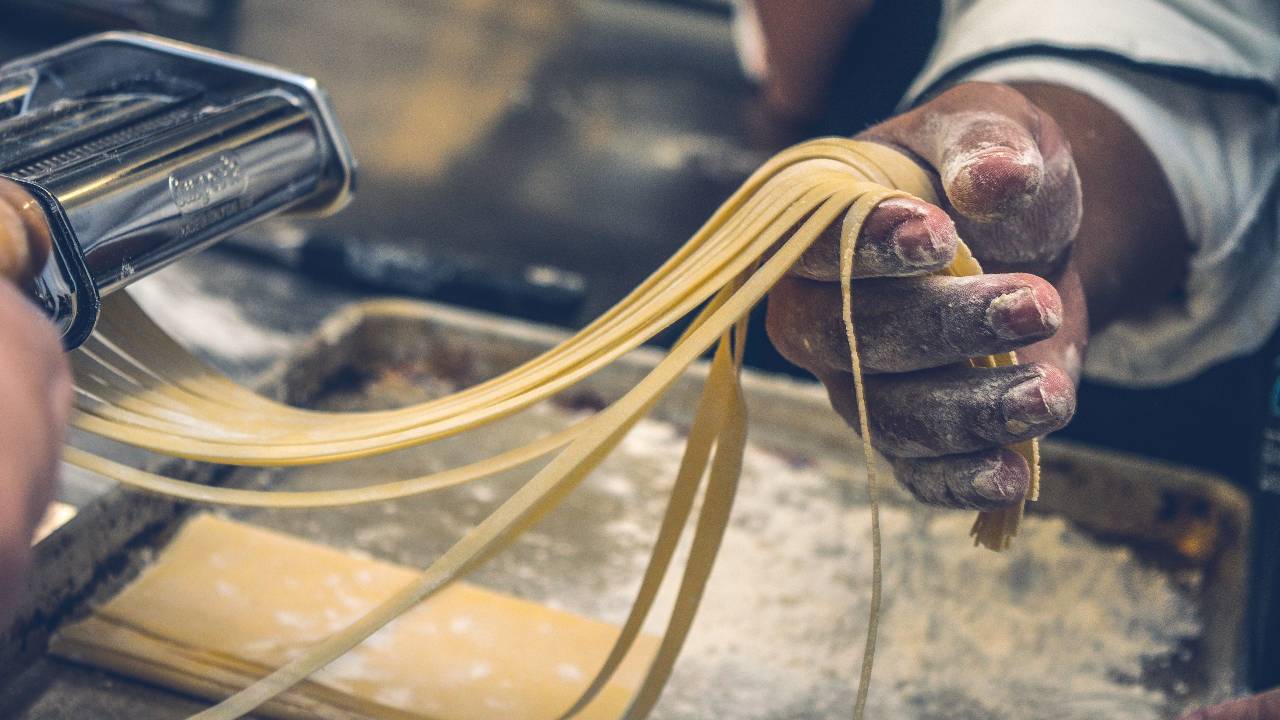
[1198, 82]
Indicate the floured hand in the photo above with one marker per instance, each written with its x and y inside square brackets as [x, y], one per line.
[1013, 193]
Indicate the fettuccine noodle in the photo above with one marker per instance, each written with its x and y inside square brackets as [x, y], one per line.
[137, 386]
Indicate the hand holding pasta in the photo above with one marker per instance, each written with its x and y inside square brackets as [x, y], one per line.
[1012, 193]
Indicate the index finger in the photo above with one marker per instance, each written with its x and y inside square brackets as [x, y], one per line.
[902, 237]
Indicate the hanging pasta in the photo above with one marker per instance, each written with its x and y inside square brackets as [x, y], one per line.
[137, 386]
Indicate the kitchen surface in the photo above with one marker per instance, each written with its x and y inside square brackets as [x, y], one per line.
[521, 167]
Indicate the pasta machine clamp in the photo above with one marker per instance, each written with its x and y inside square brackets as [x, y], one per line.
[140, 150]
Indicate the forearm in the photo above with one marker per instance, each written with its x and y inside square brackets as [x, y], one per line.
[802, 42]
[1131, 251]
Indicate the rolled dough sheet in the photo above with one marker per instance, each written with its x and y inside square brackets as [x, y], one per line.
[226, 602]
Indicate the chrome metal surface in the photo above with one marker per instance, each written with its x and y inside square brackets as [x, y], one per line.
[166, 197]
[147, 150]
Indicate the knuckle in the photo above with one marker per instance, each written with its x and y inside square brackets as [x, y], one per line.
[803, 320]
[921, 485]
[784, 328]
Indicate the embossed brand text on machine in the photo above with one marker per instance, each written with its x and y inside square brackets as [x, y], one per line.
[208, 184]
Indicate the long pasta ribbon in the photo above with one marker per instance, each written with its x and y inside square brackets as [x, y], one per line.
[137, 386]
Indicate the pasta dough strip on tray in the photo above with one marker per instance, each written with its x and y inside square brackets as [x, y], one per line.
[138, 386]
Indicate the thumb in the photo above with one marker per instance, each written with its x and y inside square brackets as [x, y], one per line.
[981, 139]
[1005, 168]
[989, 164]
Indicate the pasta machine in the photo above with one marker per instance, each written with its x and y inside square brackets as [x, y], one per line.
[141, 150]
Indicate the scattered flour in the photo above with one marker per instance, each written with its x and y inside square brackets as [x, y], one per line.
[1060, 627]
[569, 672]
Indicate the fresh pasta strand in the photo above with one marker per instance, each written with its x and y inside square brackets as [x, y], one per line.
[137, 386]
[849, 232]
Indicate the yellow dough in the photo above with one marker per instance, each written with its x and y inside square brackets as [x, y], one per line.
[226, 601]
[137, 386]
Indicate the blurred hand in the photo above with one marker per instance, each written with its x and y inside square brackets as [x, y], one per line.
[1259, 707]
[1013, 193]
[35, 402]
[24, 235]
[802, 44]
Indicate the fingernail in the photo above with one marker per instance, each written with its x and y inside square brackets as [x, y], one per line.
[915, 243]
[999, 483]
[993, 182]
[1027, 406]
[1017, 315]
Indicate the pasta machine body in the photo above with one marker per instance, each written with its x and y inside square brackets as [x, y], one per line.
[141, 150]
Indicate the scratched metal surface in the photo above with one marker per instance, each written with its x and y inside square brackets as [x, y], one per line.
[1067, 625]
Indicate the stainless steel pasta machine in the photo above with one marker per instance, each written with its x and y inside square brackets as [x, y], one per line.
[141, 150]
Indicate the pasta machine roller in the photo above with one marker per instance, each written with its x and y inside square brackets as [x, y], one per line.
[138, 150]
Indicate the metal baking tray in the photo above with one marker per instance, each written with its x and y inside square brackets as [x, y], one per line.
[1121, 598]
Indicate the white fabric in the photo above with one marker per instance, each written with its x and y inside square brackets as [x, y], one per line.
[1160, 64]
[1228, 38]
